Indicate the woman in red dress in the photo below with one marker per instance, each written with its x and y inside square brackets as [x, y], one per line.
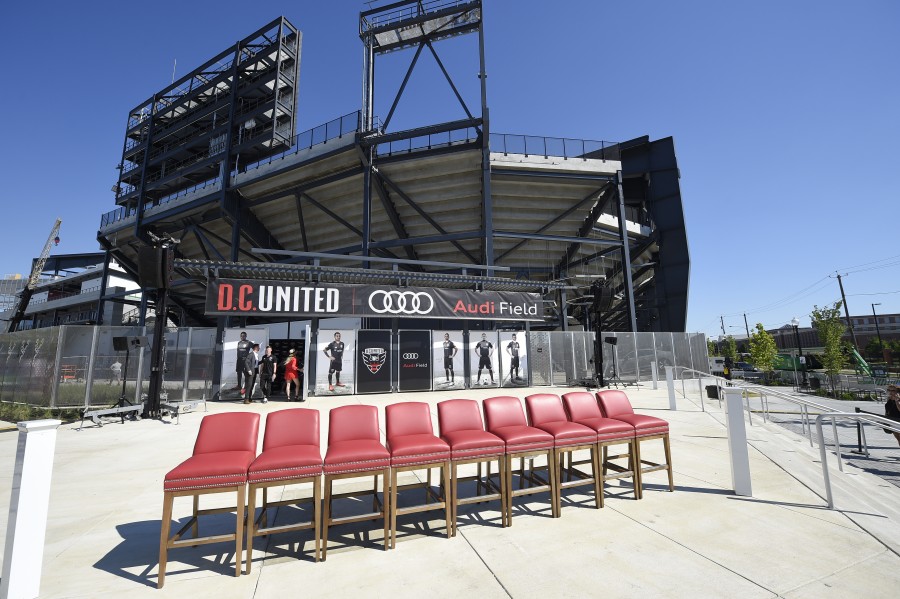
[291, 376]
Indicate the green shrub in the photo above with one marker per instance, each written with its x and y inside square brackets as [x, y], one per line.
[17, 412]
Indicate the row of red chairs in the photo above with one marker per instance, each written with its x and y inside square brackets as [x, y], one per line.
[225, 460]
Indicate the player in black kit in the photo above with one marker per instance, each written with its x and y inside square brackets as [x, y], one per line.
[512, 348]
[449, 351]
[484, 349]
[335, 353]
[243, 348]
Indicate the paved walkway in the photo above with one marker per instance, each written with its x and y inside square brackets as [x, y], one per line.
[700, 541]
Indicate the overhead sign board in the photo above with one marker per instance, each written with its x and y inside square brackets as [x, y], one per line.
[232, 297]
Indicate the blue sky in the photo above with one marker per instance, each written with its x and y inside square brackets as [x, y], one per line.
[786, 118]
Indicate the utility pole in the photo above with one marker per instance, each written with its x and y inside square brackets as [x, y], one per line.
[847, 312]
[722, 321]
[747, 327]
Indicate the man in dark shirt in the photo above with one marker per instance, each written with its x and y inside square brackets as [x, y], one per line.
[268, 366]
[243, 348]
[449, 352]
[512, 348]
[484, 349]
[252, 365]
[335, 353]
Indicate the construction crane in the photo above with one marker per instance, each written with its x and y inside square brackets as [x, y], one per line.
[34, 279]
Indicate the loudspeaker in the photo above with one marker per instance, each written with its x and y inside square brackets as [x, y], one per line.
[120, 343]
[603, 297]
[611, 340]
[155, 267]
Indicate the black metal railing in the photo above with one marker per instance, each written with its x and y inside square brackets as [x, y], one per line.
[428, 142]
[558, 147]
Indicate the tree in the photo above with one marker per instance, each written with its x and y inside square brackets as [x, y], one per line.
[729, 348]
[828, 324]
[763, 349]
[711, 348]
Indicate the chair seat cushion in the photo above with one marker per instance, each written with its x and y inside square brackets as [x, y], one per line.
[523, 438]
[569, 433]
[210, 470]
[473, 444]
[609, 428]
[645, 425]
[358, 455]
[285, 463]
[407, 450]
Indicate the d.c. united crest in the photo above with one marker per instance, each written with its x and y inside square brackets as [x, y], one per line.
[374, 358]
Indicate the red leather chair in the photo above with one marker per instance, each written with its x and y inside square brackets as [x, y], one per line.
[355, 450]
[414, 446]
[462, 428]
[582, 407]
[545, 411]
[505, 418]
[615, 404]
[290, 456]
[224, 449]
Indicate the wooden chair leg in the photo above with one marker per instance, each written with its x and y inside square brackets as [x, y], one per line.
[239, 530]
[504, 496]
[390, 506]
[554, 481]
[508, 484]
[598, 476]
[375, 493]
[639, 479]
[265, 507]
[165, 526]
[326, 517]
[668, 461]
[317, 496]
[448, 503]
[251, 525]
[195, 529]
[454, 495]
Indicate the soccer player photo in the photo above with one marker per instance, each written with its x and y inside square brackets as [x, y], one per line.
[483, 347]
[237, 345]
[513, 359]
[447, 361]
[334, 363]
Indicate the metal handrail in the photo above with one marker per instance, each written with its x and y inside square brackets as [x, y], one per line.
[879, 420]
[805, 404]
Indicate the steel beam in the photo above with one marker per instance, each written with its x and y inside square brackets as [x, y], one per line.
[626, 254]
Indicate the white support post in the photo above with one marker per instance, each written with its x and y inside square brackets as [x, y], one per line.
[670, 383]
[737, 441]
[654, 371]
[28, 506]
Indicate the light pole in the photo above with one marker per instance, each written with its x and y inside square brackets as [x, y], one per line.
[877, 330]
[796, 323]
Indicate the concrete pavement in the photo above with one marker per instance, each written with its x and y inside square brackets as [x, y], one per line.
[701, 540]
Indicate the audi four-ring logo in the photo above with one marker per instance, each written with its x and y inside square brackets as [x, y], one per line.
[410, 356]
[400, 302]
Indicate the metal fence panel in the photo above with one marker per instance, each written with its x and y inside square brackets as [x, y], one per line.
[541, 367]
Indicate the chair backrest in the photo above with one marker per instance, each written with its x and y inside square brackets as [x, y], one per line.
[296, 426]
[349, 423]
[581, 405]
[459, 415]
[236, 431]
[503, 411]
[408, 418]
[542, 408]
[614, 402]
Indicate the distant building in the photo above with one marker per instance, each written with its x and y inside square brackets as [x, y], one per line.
[70, 293]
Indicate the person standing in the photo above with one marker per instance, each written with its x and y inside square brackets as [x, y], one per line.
[268, 366]
[450, 350]
[335, 353]
[252, 369]
[291, 376]
[512, 348]
[240, 366]
[892, 408]
[116, 369]
[484, 349]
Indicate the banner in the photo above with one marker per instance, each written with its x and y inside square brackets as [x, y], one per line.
[449, 368]
[414, 361]
[483, 358]
[514, 359]
[335, 353]
[243, 297]
[373, 361]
